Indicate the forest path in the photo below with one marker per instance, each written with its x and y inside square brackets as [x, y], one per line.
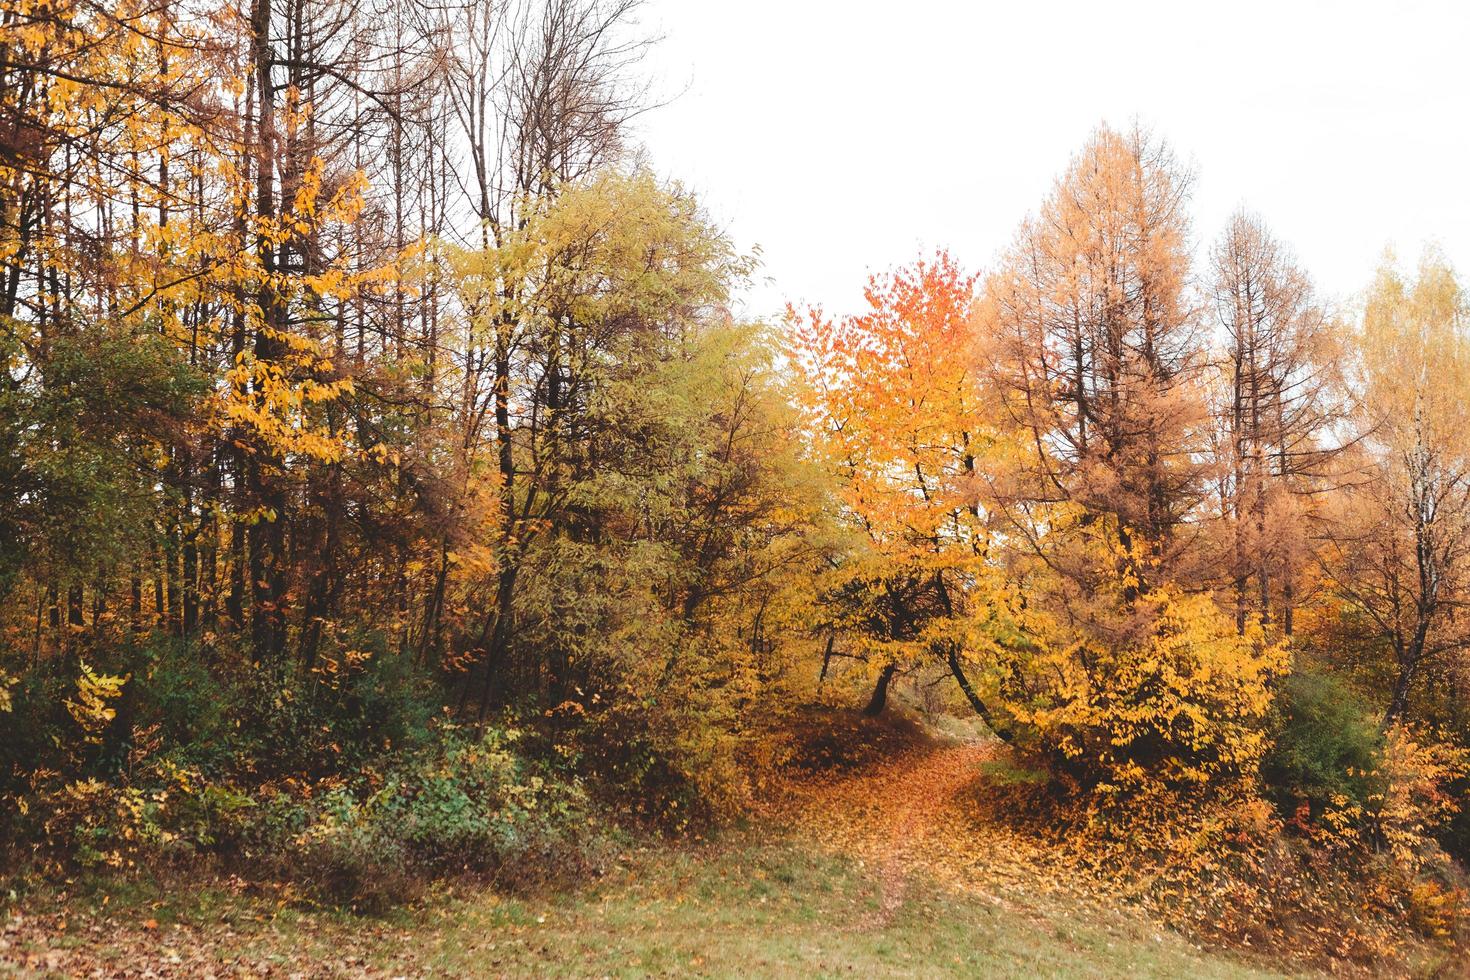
[921, 812]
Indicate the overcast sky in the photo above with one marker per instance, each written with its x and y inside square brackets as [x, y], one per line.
[844, 138]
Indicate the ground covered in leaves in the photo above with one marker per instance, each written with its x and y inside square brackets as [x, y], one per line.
[870, 867]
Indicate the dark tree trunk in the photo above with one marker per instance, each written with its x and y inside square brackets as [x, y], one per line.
[1398, 701]
[826, 658]
[495, 658]
[235, 599]
[879, 700]
[429, 643]
[955, 668]
[135, 602]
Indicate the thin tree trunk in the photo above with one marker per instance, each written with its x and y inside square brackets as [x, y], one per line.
[957, 669]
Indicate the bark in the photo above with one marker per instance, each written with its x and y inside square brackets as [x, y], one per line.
[957, 669]
[879, 700]
[74, 606]
[826, 658]
[1398, 701]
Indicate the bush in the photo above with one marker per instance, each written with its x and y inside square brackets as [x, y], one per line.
[364, 700]
[1172, 708]
[1326, 747]
[463, 805]
[1348, 786]
[179, 704]
[165, 811]
[1418, 801]
[346, 776]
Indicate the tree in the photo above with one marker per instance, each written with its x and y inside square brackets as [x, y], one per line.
[1096, 349]
[1279, 406]
[1129, 680]
[609, 280]
[901, 426]
[1399, 551]
[541, 93]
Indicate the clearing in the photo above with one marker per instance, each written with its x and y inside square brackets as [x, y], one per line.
[873, 870]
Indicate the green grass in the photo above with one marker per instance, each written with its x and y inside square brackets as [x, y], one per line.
[742, 907]
[771, 910]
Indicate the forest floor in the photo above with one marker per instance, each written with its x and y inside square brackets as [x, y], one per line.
[878, 869]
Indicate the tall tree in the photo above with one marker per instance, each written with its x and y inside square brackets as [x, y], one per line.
[901, 425]
[1280, 405]
[1098, 353]
[1400, 550]
[1128, 677]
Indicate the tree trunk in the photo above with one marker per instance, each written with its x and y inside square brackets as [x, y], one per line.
[826, 658]
[135, 601]
[497, 655]
[955, 668]
[879, 700]
[1398, 701]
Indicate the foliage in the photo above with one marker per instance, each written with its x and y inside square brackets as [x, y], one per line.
[369, 823]
[376, 510]
[463, 805]
[1418, 798]
[1325, 746]
[1181, 708]
[92, 709]
[164, 811]
[1399, 551]
[81, 432]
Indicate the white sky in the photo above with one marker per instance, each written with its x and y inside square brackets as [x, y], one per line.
[845, 138]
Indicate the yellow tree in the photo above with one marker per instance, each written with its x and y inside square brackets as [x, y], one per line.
[1400, 551]
[147, 190]
[1097, 355]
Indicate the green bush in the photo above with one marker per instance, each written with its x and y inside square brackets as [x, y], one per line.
[1326, 747]
[350, 779]
[179, 703]
[462, 805]
[324, 724]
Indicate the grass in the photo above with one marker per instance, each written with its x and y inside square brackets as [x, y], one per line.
[772, 910]
[741, 906]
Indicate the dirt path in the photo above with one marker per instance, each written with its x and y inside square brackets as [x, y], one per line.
[917, 813]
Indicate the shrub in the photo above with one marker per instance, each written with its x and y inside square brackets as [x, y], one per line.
[463, 805]
[1326, 746]
[164, 811]
[363, 701]
[1417, 801]
[1333, 774]
[343, 776]
[1174, 707]
[181, 705]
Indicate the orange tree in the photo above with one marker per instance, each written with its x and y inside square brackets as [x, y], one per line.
[902, 429]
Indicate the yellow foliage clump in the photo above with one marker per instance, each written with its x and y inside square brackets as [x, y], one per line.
[1178, 703]
[92, 708]
[1416, 798]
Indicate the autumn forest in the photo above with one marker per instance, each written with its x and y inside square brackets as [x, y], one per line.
[397, 510]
